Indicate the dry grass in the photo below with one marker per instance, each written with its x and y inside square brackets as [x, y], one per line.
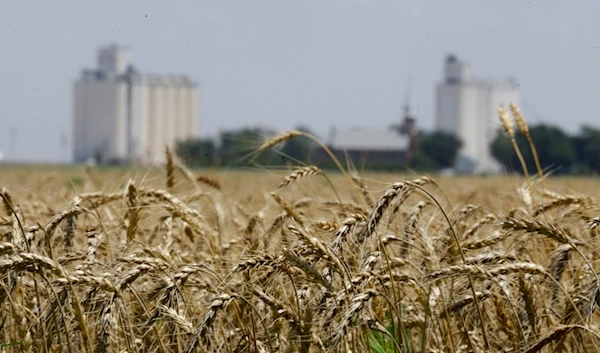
[265, 262]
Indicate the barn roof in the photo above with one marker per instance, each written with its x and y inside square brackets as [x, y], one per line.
[366, 139]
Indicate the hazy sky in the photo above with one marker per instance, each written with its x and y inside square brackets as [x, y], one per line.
[280, 63]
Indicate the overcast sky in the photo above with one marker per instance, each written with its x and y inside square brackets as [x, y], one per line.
[282, 63]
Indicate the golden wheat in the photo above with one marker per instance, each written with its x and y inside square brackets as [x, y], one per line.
[220, 266]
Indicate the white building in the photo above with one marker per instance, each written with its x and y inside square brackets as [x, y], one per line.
[123, 116]
[468, 108]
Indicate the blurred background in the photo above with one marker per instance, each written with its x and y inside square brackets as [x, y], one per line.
[114, 81]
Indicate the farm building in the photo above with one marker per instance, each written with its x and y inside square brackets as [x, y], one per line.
[379, 149]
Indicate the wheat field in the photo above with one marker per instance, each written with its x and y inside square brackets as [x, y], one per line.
[295, 260]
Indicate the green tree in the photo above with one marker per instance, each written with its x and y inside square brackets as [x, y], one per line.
[197, 152]
[587, 147]
[440, 147]
[555, 149]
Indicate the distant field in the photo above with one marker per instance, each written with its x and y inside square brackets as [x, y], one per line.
[114, 259]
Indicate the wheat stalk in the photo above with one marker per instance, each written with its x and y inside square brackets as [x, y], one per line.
[411, 228]
[524, 128]
[363, 189]
[357, 304]
[213, 183]
[509, 128]
[477, 270]
[170, 168]
[133, 214]
[7, 201]
[535, 226]
[556, 334]
[300, 173]
[278, 139]
[291, 212]
[201, 331]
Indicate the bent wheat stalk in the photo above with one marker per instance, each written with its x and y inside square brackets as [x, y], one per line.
[509, 128]
[524, 128]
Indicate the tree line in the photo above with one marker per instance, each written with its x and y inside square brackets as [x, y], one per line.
[558, 151]
[235, 148]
